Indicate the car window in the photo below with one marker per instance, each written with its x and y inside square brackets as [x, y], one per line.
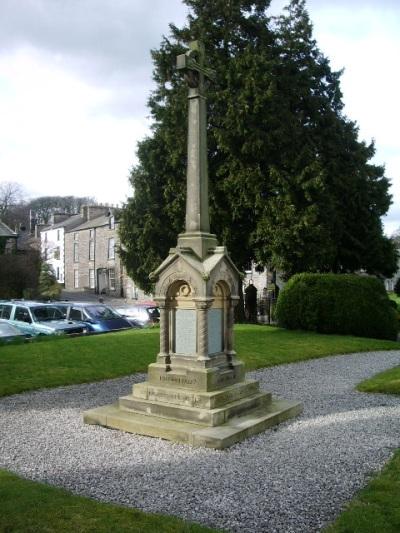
[5, 311]
[153, 312]
[101, 312]
[45, 313]
[22, 314]
[63, 309]
[75, 313]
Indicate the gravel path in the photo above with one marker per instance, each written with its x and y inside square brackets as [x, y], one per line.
[293, 478]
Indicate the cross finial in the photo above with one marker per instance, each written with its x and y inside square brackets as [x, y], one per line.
[192, 63]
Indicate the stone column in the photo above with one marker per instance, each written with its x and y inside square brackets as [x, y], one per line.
[233, 301]
[164, 328]
[202, 306]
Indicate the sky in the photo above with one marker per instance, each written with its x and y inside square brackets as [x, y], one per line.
[75, 77]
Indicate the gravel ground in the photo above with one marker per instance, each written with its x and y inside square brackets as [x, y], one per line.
[293, 478]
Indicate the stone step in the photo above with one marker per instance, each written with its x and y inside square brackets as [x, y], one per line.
[219, 437]
[208, 417]
[204, 400]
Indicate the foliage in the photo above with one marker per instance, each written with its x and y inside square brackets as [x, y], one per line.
[290, 183]
[44, 206]
[48, 285]
[18, 273]
[65, 361]
[27, 506]
[337, 303]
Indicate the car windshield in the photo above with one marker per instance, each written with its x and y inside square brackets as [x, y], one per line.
[45, 313]
[101, 312]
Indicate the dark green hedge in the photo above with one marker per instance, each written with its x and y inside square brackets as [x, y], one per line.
[337, 303]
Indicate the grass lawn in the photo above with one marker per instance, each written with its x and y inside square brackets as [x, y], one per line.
[28, 507]
[58, 361]
[376, 509]
[31, 507]
[393, 296]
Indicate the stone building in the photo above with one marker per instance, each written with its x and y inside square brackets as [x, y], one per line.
[8, 239]
[92, 261]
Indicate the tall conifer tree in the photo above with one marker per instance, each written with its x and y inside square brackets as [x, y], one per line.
[285, 164]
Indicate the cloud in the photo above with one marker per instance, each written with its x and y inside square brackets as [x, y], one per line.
[106, 43]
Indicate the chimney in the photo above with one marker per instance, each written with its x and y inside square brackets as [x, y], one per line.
[58, 217]
[88, 212]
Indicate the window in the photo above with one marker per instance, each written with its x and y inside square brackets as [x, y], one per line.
[111, 248]
[58, 234]
[22, 314]
[57, 253]
[58, 273]
[75, 313]
[5, 311]
[45, 237]
[76, 252]
[76, 235]
[111, 222]
[91, 250]
[111, 279]
[91, 234]
[91, 278]
[76, 279]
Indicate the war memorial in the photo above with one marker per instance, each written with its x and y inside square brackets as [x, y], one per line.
[196, 391]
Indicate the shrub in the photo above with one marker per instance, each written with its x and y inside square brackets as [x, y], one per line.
[337, 303]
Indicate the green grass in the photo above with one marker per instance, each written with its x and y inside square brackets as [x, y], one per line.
[376, 509]
[59, 361]
[28, 507]
[387, 382]
[393, 296]
[33, 507]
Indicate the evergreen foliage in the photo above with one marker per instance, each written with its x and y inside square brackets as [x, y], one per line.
[337, 303]
[48, 285]
[291, 185]
[19, 274]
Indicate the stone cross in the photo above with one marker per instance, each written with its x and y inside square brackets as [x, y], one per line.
[197, 215]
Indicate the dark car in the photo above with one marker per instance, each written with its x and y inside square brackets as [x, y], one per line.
[98, 318]
[145, 314]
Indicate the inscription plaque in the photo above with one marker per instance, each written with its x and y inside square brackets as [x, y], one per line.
[185, 331]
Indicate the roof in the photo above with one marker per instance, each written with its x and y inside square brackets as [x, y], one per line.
[68, 223]
[97, 222]
[5, 231]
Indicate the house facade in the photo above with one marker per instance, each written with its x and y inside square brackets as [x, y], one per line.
[92, 261]
[52, 242]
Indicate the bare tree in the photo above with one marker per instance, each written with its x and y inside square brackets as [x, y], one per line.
[11, 194]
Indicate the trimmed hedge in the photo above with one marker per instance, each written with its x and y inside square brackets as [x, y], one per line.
[337, 303]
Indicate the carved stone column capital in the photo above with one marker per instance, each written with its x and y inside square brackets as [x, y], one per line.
[203, 303]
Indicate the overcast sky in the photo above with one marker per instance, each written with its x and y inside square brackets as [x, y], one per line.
[75, 76]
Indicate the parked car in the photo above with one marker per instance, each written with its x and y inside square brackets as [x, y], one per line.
[145, 314]
[10, 333]
[97, 317]
[34, 318]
